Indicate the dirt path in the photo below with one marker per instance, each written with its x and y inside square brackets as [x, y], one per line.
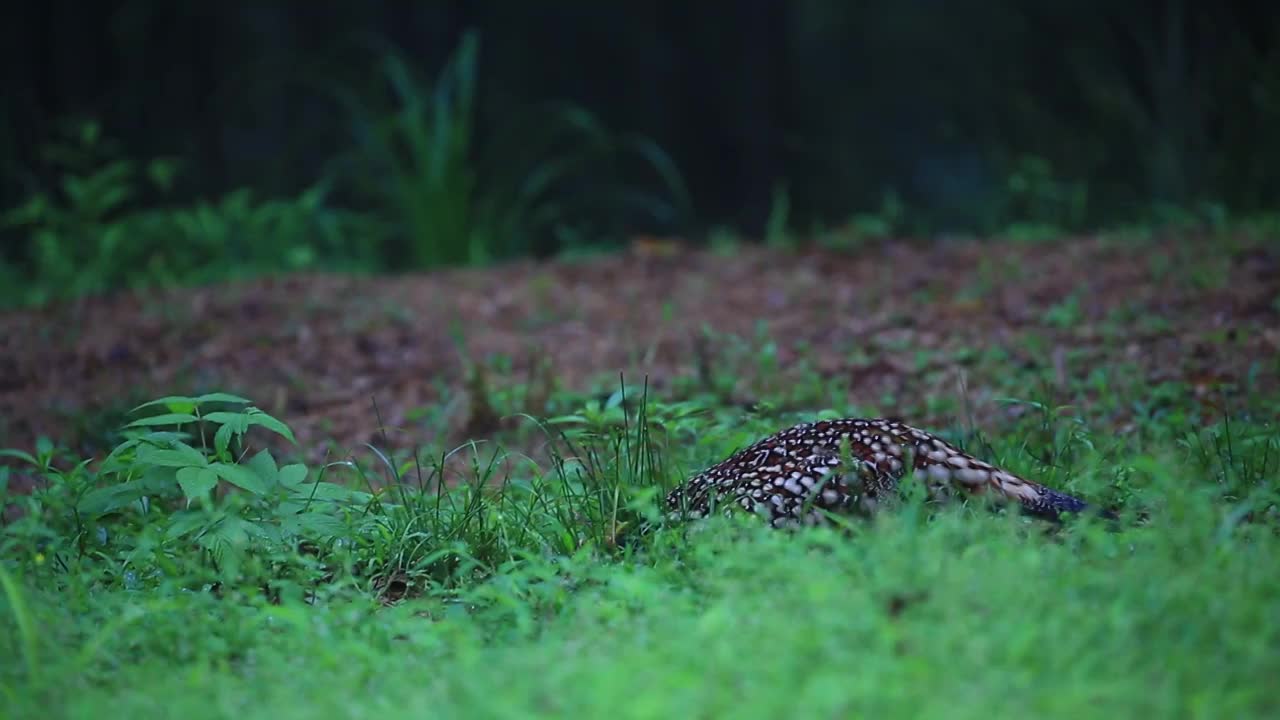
[901, 321]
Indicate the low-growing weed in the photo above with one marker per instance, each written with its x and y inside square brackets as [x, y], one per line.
[192, 572]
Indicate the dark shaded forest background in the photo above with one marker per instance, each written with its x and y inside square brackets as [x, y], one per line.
[148, 142]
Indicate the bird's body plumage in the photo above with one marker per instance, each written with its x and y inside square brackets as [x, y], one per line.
[799, 474]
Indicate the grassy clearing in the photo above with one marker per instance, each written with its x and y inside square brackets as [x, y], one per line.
[959, 617]
[555, 590]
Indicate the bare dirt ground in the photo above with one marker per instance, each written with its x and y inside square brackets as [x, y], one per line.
[900, 319]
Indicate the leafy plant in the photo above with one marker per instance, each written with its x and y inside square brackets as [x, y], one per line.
[882, 223]
[76, 236]
[162, 464]
[1039, 203]
[92, 233]
[240, 233]
[186, 475]
[456, 195]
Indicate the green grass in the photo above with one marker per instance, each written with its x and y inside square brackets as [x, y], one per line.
[553, 589]
[961, 617]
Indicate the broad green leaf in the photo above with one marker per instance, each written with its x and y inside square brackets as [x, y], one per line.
[314, 524]
[111, 498]
[223, 417]
[166, 419]
[269, 532]
[184, 522]
[291, 476]
[180, 455]
[229, 533]
[251, 416]
[164, 437]
[240, 476]
[159, 480]
[324, 491]
[237, 421]
[196, 483]
[109, 463]
[264, 465]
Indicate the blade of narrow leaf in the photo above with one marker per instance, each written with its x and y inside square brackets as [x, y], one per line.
[20, 455]
[27, 629]
[222, 397]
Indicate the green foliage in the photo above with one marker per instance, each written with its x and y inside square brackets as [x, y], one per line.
[432, 186]
[1071, 116]
[884, 222]
[1081, 623]
[777, 232]
[185, 499]
[1039, 204]
[101, 230]
[456, 195]
[156, 498]
[203, 569]
[192, 569]
[75, 235]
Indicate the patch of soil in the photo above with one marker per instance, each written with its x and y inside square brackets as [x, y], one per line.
[315, 350]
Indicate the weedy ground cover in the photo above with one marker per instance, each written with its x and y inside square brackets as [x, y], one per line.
[194, 573]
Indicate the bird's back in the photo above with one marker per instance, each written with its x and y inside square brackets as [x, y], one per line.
[802, 472]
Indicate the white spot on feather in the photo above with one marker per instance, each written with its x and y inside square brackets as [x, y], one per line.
[972, 476]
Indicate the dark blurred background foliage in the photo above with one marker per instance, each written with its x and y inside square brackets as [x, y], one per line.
[149, 143]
